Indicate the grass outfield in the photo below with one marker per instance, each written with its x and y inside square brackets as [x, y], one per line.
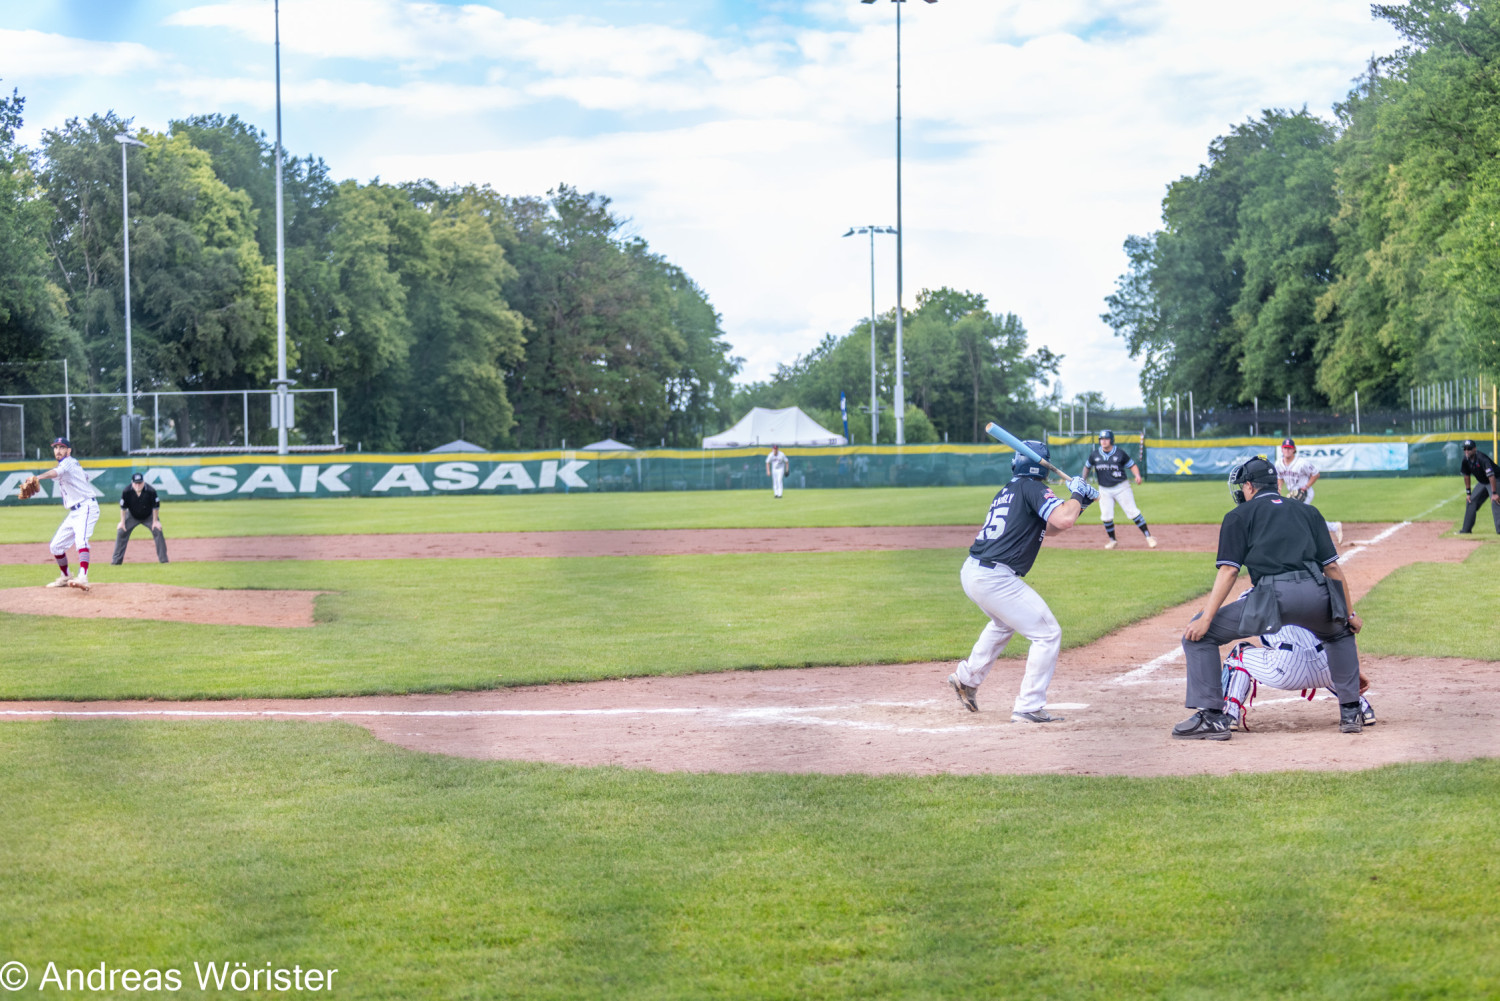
[1436, 609]
[154, 845]
[1164, 503]
[431, 625]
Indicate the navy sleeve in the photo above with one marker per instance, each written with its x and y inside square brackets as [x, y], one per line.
[1232, 543]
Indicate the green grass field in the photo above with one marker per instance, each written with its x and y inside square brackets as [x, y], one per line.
[157, 845]
[150, 844]
[1164, 503]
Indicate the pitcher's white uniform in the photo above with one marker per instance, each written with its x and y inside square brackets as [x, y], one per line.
[1298, 473]
[77, 495]
[777, 465]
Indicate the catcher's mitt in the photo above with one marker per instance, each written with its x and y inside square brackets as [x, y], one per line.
[1299, 495]
[30, 487]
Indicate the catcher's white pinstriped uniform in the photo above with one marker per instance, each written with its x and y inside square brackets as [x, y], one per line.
[1291, 658]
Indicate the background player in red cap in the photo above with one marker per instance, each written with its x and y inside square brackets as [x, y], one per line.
[1296, 477]
[77, 495]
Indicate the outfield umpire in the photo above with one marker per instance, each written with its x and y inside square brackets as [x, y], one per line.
[139, 505]
[1297, 581]
[1482, 467]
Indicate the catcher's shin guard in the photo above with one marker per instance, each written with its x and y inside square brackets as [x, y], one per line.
[1239, 686]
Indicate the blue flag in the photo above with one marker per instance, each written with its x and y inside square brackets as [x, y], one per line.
[844, 409]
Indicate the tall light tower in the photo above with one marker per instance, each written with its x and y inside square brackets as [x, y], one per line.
[900, 403]
[282, 382]
[126, 142]
[874, 397]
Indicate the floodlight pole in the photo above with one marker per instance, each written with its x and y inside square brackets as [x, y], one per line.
[874, 395]
[281, 382]
[126, 141]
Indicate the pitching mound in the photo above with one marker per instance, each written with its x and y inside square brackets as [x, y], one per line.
[282, 609]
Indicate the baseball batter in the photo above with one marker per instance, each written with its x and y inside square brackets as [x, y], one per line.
[83, 511]
[776, 466]
[1002, 553]
[1296, 477]
[1109, 465]
[1289, 658]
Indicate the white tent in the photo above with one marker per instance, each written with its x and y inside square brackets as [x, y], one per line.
[459, 445]
[607, 445]
[774, 427]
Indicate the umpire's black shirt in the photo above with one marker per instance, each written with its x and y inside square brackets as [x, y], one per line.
[1481, 467]
[1270, 534]
[140, 505]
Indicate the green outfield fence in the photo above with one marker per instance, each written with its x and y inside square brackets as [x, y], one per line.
[370, 475]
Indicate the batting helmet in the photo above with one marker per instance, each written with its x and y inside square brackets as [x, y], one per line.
[1106, 435]
[1024, 465]
[1255, 470]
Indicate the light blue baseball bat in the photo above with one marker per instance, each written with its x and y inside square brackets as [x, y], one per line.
[998, 433]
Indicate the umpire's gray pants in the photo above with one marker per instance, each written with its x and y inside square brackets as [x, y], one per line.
[1301, 603]
[122, 536]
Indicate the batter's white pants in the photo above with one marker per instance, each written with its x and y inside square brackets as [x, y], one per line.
[76, 527]
[1124, 495]
[777, 475]
[1013, 607]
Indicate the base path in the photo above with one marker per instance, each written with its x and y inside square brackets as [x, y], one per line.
[1120, 695]
[648, 542]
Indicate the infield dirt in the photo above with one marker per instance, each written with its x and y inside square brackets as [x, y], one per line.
[1120, 695]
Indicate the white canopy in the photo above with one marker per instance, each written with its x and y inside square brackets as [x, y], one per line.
[774, 427]
[607, 445]
[459, 445]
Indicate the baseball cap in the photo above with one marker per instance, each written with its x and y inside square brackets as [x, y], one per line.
[1468, 444]
[65, 443]
[137, 478]
[1288, 443]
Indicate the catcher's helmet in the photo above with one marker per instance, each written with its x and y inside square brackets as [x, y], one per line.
[1255, 470]
[1106, 435]
[1023, 465]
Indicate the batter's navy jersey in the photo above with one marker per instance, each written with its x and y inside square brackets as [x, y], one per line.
[1108, 466]
[1017, 524]
[1270, 534]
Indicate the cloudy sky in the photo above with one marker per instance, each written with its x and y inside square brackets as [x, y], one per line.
[741, 138]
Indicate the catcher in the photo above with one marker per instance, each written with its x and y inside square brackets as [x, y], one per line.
[83, 512]
[1290, 658]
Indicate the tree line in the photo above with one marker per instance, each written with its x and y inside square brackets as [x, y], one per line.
[437, 312]
[1319, 258]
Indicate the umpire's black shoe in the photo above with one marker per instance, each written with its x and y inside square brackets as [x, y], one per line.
[1205, 724]
[1351, 720]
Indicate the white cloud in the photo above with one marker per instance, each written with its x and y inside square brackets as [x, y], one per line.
[33, 55]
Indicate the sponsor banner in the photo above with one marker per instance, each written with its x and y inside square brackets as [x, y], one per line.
[324, 479]
[1353, 457]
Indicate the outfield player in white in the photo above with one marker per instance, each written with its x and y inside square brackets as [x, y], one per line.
[777, 465]
[1292, 659]
[1296, 474]
[77, 495]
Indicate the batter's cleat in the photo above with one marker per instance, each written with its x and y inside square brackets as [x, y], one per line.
[1205, 724]
[1151, 541]
[1039, 716]
[62, 581]
[966, 693]
[1350, 720]
[1111, 544]
[81, 582]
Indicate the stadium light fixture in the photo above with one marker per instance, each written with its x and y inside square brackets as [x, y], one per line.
[126, 141]
[900, 402]
[874, 397]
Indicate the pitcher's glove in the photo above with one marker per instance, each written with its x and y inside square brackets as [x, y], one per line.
[30, 487]
[1299, 495]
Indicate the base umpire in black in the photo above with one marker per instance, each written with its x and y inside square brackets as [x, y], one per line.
[1297, 581]
[1482, 468]
[139, 505]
